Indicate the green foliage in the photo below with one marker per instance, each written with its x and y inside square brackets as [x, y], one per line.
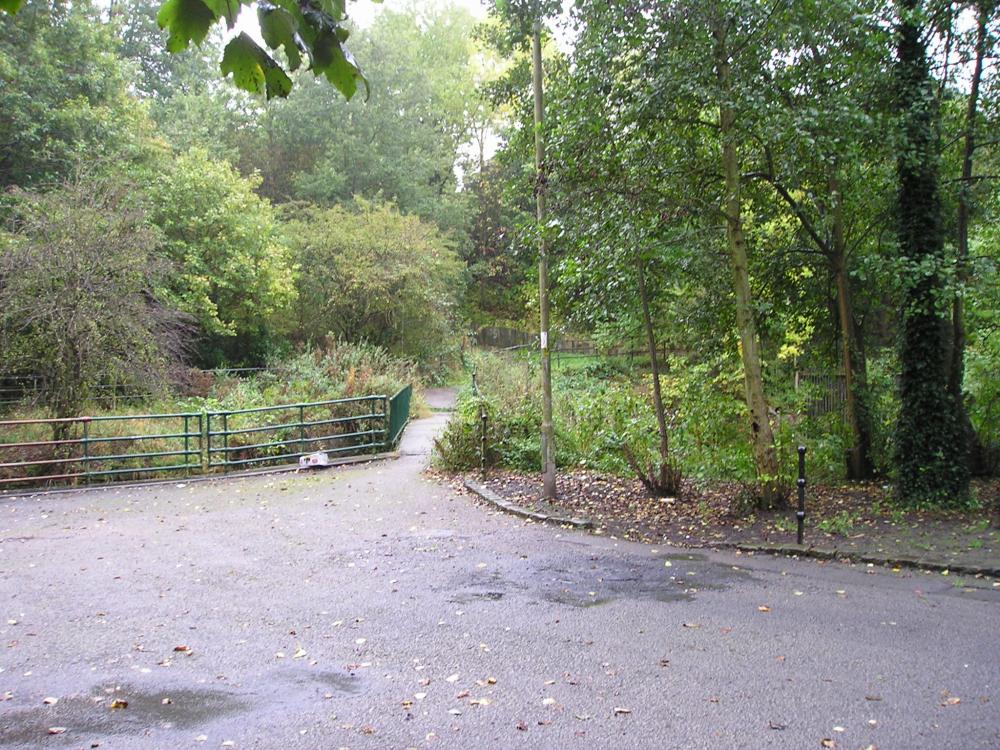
[253, 69]
[931, 447]
[232, 272]
[400, 145]
[841, 524]
[376, 275]
[334, 369]
[63, 97]
[316, 30]
[75, 307]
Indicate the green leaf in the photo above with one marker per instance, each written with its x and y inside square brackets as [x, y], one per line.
[278, 29]
[10, 6]
[186, 20]
[337, 64]
[253, 69]
[228, 9]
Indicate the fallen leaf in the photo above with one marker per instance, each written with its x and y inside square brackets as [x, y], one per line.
[692, 625]
[299, 653]
[827, 743]
[873, 697]
[953, 700]
[622, 710]
[548, 701]
[50, 701]
[451, 678]
[182, 649]
[57, 730]
[119, 703]
[763, 608]
[462, 694]
[521, 726]
[455, 712]
[776, 725]
[201, 738]
[420, 696]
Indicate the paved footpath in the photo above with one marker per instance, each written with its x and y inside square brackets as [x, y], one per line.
[369, 607]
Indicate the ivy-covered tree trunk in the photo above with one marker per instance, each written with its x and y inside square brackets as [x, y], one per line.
[761, 434]
[931, 452]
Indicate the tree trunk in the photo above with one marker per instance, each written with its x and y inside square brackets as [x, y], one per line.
[956, 365]
[931, 448]
[859, 463]
[668, 479]
[547, 442]
[762, 437]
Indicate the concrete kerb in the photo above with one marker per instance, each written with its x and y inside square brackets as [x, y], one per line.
[506, 506]
[832, 553]
[789, 550]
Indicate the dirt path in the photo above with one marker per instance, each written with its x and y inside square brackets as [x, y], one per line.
[370, 607]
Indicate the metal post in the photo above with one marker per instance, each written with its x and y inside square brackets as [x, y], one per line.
[302, 430]
[203, 458]
[86, 450]
[225, 442]
[482, 438]
[187, 448]
[800, 514]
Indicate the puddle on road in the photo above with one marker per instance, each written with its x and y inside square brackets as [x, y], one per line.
[319, 682]
[476, 596]
[595, 582]
[86, 719]
[608, 580]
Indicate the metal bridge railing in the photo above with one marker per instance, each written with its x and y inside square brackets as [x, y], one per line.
[46, 452]
[399, 414]
[275, 433]
[88, 448]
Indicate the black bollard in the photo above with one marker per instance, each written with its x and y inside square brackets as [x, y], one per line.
[482, 439]
[800, 514]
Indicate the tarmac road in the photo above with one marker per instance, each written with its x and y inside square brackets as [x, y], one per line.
[369, 607]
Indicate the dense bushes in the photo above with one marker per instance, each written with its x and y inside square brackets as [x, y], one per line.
[597, 416]
[335, 370]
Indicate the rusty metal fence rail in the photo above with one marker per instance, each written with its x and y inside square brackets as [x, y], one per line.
[84, 449]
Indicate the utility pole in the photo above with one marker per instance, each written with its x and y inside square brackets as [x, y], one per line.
[548, 448]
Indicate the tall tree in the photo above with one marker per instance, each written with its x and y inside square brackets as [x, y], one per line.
[64, 97]
[521, 21]
[931, 446]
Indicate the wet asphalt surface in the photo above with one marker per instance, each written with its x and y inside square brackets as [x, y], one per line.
[369, 607]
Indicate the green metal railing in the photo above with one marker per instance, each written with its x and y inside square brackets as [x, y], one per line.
[85, 449]
[88, 448]
[347, 425]
[399, 414]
